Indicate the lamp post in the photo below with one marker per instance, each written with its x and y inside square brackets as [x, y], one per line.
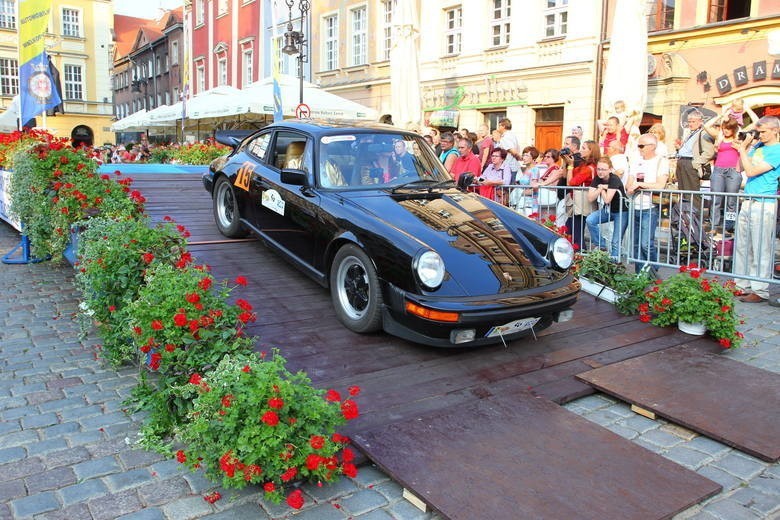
[295, 41]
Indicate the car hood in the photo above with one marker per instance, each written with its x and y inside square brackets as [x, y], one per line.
[486, 247]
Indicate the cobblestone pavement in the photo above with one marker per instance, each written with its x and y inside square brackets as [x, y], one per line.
[66, 446]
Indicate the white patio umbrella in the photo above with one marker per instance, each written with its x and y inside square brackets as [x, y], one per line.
[9, 118]
[626, 75]
[259, 96]
[405, 101]
[135, 121]
[165, 115]
[219, 101]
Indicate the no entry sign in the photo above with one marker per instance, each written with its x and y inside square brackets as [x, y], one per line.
[303, 111]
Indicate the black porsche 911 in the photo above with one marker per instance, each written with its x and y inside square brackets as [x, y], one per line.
[369, 211]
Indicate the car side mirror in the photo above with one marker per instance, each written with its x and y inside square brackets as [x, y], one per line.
[295, 177]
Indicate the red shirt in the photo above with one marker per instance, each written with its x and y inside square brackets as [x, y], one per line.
[608, 138]
[466, 163]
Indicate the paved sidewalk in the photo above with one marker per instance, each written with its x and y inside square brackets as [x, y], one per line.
[66, 446]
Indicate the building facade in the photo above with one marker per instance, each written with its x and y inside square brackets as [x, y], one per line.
[708, 53]
[79, 43]
[147, 65]
[533, 62]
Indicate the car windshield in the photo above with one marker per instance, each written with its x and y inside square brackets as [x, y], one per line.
[377, 160]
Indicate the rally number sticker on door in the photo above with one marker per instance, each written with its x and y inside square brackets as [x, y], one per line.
[273, 201]
[244, 175]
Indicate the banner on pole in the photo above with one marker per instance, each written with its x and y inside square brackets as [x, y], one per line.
[37, 90]
[275, 58]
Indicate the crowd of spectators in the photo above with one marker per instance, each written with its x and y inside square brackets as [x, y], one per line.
[623, 168]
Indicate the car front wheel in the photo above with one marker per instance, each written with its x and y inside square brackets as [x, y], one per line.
[226, 210]
[354, 288]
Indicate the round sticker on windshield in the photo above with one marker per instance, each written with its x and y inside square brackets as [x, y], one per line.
[336, 138]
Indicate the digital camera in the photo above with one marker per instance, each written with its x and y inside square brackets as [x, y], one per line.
[743, 135]
[566, 151]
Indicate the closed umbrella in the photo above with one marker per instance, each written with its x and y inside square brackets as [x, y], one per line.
[626, 75]
[405, 101]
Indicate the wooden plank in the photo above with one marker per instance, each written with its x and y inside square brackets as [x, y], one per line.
[724, 399]
[535, 460]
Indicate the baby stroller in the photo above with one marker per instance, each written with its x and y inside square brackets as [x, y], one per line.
[688, 236]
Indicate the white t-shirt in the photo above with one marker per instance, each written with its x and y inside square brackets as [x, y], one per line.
[509, 142]
[647, 171]
[620, 165]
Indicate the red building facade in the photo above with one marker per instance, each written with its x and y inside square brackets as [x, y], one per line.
[225, 43]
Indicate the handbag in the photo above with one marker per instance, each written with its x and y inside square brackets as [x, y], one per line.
[548, 195]
[706, 168]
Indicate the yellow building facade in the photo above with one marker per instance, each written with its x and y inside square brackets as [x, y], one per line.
[79, 41]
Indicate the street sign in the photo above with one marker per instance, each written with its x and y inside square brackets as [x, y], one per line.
[303, 111]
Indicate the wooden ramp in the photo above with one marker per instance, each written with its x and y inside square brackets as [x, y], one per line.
[724, 399]
[405, 385]
[519, 456]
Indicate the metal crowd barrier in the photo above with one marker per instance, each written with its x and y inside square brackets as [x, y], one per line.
[740, 241]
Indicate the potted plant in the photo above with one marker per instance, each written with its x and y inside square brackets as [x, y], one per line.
[598, 273]
[695, 303]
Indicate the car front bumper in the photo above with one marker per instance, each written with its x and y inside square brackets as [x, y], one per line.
[208, 182]
[479, 314]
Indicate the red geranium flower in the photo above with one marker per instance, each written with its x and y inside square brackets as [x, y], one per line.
[213, 497]
[181, 457]
[204, 284]
[193, 297]
[147, 258]
[243, 304]
[169, 347]
[725, 342]
[195, 379]
[157, 325]
[246, 369]
[270, 418]
[332, 395]
[226, 400]
[353, 390]
[313, 461]
[269, 487]
[317, 442]
[180, 319]
[241, 280]
[295, 499]
[349, 409]
[347, 455]
[277, 403]
[349, 469]
[289, 474]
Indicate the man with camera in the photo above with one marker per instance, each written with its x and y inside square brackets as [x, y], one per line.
[695, 153]
[753, 251]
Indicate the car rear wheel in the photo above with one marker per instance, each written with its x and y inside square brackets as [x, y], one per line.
[355, 291]
[226, 210]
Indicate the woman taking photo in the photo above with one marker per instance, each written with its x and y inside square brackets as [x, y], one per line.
[581, 175]
[725, 175]
[496, 174]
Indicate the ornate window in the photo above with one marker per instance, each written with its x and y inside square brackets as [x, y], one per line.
[499, 25]
[453, 30]
[70, 22]
[556, 18]
[359, 36]
[74, 82]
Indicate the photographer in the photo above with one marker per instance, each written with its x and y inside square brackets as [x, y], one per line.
[753, 251]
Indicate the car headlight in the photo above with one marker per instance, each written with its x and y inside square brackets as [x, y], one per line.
[562, 253]
[429, 267]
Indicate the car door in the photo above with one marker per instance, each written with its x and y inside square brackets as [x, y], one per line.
[287, 214]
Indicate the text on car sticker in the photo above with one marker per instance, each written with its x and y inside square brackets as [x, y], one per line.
[273, 201]
[336, 138]
[243, 175]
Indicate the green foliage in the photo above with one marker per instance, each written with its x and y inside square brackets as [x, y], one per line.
[198, 153]
[54, 185]
[253, 421]
[160, 154]
[630, 289]
[179, 326]
[113, 257]
[599, 267]
[689, 297]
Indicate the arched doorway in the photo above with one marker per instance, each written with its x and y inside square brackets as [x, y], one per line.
[82, 135]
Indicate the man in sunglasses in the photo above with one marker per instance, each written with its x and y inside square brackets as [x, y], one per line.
[646, 174]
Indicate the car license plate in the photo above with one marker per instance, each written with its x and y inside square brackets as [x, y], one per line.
[512, 327]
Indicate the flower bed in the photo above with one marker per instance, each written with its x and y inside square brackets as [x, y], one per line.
[241, 417]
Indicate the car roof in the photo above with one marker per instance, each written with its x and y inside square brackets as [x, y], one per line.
[317, 127]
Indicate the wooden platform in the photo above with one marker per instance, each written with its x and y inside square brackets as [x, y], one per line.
[406, 384]
[537, 460]
[726, 400]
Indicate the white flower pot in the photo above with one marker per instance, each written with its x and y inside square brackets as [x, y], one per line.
[695, 329]
[598, 290]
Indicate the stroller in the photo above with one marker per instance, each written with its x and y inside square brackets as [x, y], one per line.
[688, 236]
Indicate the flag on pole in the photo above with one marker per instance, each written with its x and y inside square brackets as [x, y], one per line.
[37, 91]
[278, 112]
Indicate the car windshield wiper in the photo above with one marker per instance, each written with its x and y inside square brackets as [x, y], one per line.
[438, 184]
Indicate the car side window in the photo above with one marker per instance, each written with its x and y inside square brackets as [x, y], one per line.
[259, 145]
[292, 151]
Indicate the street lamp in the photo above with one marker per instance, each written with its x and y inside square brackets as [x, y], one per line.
[295, 41]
